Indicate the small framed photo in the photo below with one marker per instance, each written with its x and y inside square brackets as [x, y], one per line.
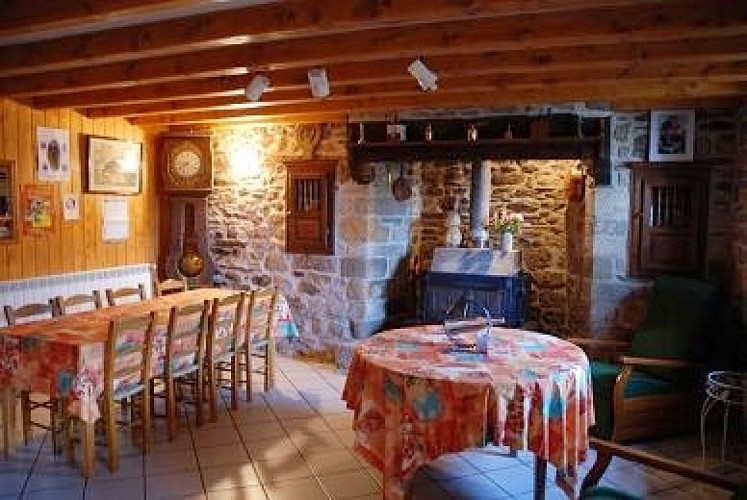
[113, 166]
[70, 206]
[671, 135]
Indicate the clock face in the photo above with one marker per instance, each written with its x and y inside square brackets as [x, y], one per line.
[186, 164]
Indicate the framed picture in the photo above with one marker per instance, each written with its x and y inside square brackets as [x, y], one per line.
[39, 209]
[113, 166]
[53, 154]
[70, 206]
[671, 136]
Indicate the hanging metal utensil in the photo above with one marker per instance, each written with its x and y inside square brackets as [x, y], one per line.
[401, 189]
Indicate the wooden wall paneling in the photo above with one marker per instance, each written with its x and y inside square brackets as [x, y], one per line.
[67, 255]
[53, 246]
[75, 245]
[91, 208]
[14, 257]
[3, 248]
[117, 129]
[25, 176]
[75, 228]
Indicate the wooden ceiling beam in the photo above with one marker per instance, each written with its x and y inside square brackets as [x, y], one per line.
[531, 94]
[489, 79]
[509, 47]
[712, 58]
[261, 23]
[24, 16]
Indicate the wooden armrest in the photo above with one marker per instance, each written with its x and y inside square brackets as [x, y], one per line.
[586, 341]
[665, 464]
[658, 363]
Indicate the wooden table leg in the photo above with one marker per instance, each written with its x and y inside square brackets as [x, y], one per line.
[87, 448]
[9, 420]
[540, 476]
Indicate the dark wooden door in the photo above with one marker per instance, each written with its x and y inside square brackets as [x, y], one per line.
[668, 220]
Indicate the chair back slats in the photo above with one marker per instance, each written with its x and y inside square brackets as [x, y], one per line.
[77, 303]
[127, 358]
[29, 312]
[224, 327]
[171, 285]
[185, 338]
[261, 315]
[123, 295]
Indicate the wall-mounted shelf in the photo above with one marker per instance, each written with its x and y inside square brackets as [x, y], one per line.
[499, 138]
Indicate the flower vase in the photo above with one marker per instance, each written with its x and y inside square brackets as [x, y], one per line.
[507, 242]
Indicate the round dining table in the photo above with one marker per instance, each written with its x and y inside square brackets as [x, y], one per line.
[418, 394]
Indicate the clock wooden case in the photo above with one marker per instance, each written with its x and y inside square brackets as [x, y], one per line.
[187, 163]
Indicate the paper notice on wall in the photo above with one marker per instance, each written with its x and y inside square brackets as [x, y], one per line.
[116, 219]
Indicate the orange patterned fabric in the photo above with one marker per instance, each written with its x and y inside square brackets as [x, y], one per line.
[64, 356]
[416, 398]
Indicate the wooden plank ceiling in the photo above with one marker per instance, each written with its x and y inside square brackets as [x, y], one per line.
[161, 62]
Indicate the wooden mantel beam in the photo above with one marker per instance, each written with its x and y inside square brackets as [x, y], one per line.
[256, 23]
[529, 94]
[559, 30]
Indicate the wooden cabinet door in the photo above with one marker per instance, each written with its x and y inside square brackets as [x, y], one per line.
[310, 207]
[668, 221]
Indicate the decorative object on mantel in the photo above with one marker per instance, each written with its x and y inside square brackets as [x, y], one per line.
[453, 228]
[671, 135]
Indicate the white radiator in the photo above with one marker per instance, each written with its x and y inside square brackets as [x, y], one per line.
[18, 292]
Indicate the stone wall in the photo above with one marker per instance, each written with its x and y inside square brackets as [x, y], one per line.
[333, 298]
[575, 252]
[617, 301]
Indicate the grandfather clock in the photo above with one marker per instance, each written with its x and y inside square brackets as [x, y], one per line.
[186, 181]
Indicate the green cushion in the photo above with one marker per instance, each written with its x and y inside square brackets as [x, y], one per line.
[605, 493]
[679, 313]
[603, 376]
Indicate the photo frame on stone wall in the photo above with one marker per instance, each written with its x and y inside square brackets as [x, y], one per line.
[671, 135]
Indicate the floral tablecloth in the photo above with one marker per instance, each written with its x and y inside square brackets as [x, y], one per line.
[416, 398]
[64, 356]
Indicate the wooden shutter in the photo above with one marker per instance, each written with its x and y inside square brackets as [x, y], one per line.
[668, 220]
[310, 207]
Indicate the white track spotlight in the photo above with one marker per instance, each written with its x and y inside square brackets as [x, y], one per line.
[425, 77]
[256, 87]
[318, 82]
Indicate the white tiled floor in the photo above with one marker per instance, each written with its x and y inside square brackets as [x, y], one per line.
[294, 443]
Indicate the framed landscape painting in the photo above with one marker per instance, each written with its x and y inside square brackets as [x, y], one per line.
[113, 166]
[672, 135]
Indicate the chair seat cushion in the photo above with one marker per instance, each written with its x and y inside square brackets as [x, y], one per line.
[605, 493]
[603, 376]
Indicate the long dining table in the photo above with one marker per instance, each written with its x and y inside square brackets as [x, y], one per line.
[64, 356]
[417, 395]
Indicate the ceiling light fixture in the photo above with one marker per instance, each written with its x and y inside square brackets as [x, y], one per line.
[256, 87]
[318, 82]
[425, 77]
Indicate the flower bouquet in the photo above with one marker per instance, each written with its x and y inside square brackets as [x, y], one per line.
[508, 222]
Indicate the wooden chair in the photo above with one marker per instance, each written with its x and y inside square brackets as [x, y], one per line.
[591, 491]
[127, 361]
[652, 389]
[258, 339]
[167, 286]
[224, 329]
[54, 405]
[185, 341]
[114, 296]
[78, 302]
